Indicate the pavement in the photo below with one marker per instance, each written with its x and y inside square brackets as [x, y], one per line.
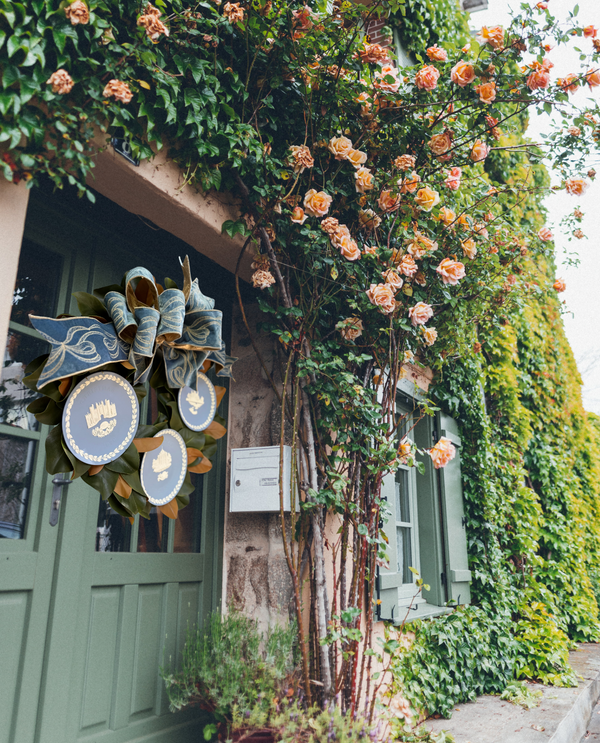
[563, 716]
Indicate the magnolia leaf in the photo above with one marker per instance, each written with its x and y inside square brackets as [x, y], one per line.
[104, 482]
[148, 444]
[170, 509]
[94, 469]
[216, 430]
[63, 387]
[201, 467]
[220, 394]
[116, 505]
[56, 459]
[90, 305]
[122, 488]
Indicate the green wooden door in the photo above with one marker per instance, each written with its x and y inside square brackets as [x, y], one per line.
[92, 607]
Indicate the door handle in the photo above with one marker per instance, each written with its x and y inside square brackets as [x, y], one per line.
[57, 491]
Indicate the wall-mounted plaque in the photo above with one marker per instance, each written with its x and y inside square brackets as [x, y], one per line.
[197, 407]
[100, 418]
[163, 470]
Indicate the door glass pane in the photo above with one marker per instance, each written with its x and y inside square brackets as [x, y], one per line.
[402, 496]
[16, 465]
[113, 531]
[153, 532]
[189, 521]
[14, 396]
[38, 282]
[404, 550]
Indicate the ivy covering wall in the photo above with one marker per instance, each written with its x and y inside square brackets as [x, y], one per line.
[531, 475]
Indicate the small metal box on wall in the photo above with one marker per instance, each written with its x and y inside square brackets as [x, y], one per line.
[255, 479]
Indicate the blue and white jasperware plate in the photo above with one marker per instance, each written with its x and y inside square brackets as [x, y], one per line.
[100, 418]
[163, 470]
[197, 408]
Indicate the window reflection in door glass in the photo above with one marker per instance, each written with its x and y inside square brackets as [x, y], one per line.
[189, 521]
[402, 496]
[14, 395]
[404, 552]
[38, 280]
[16, 465]
[153, 533]
[113, 531]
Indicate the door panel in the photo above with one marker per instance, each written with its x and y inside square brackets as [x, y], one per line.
[86, 617]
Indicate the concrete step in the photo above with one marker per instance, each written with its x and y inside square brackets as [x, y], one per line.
[563, 716]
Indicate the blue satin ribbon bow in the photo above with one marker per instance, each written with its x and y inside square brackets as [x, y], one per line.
[182, 323]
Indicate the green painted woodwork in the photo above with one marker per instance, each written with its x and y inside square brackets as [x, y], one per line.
[84, 633]
[442, 545]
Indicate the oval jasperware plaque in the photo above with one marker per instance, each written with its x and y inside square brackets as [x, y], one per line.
[197, 408]
[163, 470]
[100, 418]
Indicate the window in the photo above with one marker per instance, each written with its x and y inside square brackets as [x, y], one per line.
[426, 527]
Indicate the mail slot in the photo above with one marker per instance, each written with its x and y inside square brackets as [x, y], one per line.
[255, 479]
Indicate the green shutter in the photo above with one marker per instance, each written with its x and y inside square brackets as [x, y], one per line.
[458, 575]
[389, 579]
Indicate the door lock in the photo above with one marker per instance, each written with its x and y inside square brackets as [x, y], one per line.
[57, 490]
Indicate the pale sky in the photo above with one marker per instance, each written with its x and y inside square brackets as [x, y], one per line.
[582, 296]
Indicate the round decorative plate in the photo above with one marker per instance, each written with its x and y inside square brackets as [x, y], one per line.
[197, 408]
[100, 418]
[163, 470]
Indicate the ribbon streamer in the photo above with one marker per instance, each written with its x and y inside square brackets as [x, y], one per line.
[182, 323]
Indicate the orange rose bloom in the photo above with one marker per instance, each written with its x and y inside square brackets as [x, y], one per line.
[447, 216]
[538, 79]
[388, 201]
[298, 215]
[420, 313]
[392, 278]
[368, 220]
[405, 162]
[348, 248]
[329, 225]
[77, 12]
[430, 335]
[350, 328]
[593, 78]
[340, 147]
[437, 54]
[420, 245]
[462, 74]
[301, 158]
[442, 453]
[479, 151]
[469, 248]
[440, 143]
[119, 90]
[427, 198]
[374, 53]
[451, 271]
[407, 266]
[590, 32]
[559, 285]
[61, 82]
[382, 296]
[494, 36]
[569, 83]
[410, 183]
[427, 77]
[364, 179]
[262, 279]
[576, 185]
[317, 203]
[233, 12]
[357, 158]
[486, 92]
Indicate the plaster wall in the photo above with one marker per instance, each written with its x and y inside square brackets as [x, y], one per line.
[13, 206]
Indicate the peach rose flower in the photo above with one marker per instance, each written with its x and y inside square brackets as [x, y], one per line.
[420, 313]
[545, 234]
[150, 20]
[559, 285]
[301, 158]
[462, 74]
[365, 102]
[427, 198]
[340, 234]
[357, 158]
[574, 131]
[410, 183]
[451, 271]
[119, 90]
[349, 248]
[407, 266]
[576, 185]
[262, 279]
[420, 279]
[437, 54]
[233, 12]
[409, 357]
[364, 179]
[405, 162]
[593, 78]
[368, 220]
[427, 77]
[469, 248]
[78, 12]
[61, 82]
[298, 215]
[494, 36]
[392, 278]
[440, 143]
[430, 335]
[330, 225]
[479, 151]
[351, 328]
[381, 79]
[447, 216]
[453, 179]
[569, 83]
[486, 92]
[317, 203]
[442, 453]
[374, 53]
[420, 245]
[388, 201]
[401, 708]
[538, 79]
[578, 234]
[590, 32]
[382, 296]
[340, 147]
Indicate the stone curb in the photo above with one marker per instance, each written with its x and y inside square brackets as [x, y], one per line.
[575, 723]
